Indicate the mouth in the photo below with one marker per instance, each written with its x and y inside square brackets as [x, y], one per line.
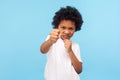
[65, 37]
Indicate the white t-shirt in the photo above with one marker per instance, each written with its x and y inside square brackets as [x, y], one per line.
[59, 65]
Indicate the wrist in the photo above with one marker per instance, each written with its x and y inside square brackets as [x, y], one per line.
[50, 41]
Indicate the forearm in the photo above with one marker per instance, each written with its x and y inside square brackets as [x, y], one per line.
[45, 46]
[75, 62]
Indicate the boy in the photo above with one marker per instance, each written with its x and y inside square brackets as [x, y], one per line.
[63, 56]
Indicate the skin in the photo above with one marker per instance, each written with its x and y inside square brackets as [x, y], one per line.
[65, 31]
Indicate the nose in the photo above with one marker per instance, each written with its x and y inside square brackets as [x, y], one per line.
[66, 31]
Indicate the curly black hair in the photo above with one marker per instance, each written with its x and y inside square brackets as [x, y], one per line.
[68, 13]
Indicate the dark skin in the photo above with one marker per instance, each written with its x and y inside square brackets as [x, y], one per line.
[65, 30]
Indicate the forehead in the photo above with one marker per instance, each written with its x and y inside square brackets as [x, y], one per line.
[67, 23]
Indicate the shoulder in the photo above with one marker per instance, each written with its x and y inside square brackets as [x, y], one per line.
[75, 46]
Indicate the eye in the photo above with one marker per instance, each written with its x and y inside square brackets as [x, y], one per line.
[71, 28]
[62, 27]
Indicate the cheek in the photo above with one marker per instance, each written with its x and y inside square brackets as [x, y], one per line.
[61, 31]
[72, 33]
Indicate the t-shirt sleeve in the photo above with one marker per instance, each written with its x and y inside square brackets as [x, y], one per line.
[76, 50]
[47, 37]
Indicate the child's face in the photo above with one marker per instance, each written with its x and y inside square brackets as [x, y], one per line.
[67, 29]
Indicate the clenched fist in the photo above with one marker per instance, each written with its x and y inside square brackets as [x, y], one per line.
[68, 45]
[54, 35]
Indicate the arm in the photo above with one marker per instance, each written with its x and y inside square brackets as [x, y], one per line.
[74, 61]
[47, 44]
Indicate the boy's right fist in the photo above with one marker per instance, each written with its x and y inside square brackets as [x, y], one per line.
[54, 35]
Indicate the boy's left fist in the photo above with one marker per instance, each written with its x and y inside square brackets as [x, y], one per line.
[68, 45]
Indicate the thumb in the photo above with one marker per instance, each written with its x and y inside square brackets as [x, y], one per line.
[60, 35]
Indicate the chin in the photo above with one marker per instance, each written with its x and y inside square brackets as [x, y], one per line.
[63, 38]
